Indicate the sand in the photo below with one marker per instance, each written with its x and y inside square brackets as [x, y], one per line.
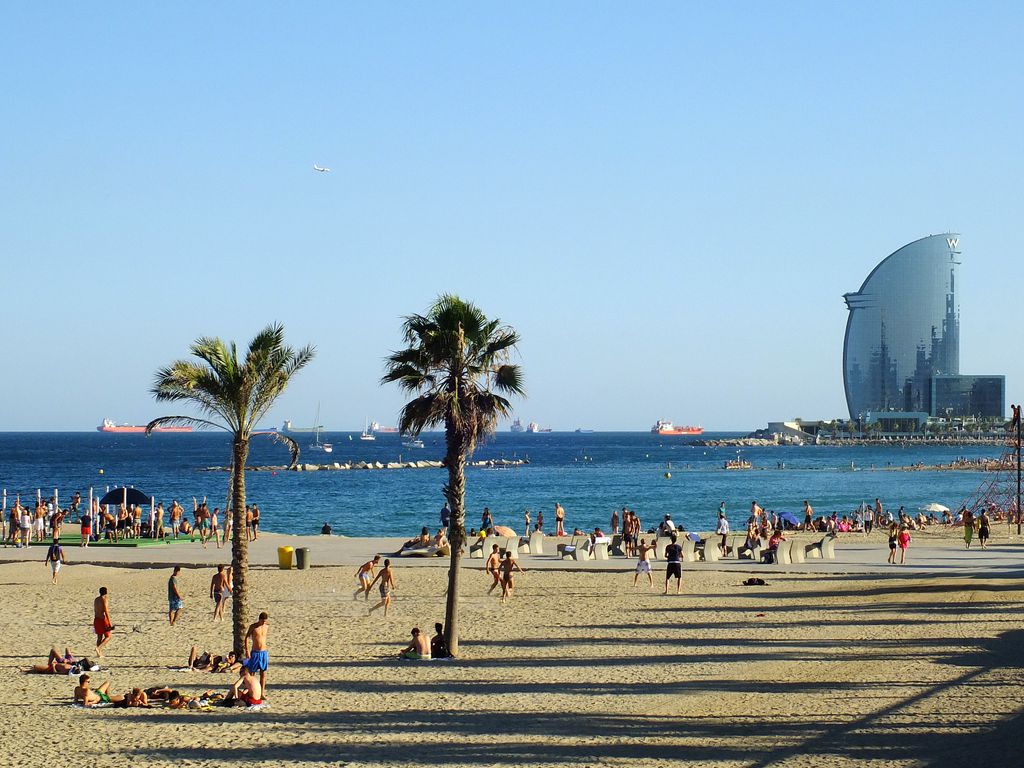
[578, 669]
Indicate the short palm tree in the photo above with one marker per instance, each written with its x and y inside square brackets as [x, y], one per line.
[454, 359]
[234, 395]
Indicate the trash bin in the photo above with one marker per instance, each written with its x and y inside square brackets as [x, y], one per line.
[284, 558]
[302, 558]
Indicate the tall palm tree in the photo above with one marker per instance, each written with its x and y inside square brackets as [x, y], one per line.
[454, 358]
[234, 395]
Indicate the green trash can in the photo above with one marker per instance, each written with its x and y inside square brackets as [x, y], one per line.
[302, 558]
[284, 558]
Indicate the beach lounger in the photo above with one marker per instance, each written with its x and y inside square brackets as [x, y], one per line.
[712, 554]
[797, 552]
[782, 553]
[600, 551]
[477, 550]
[660, 543]
[689, 549]
[536, 543]
[828, 548]
[508, 544]
[616, 547]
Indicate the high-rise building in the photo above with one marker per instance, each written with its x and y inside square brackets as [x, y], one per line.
[904, 328]
[901, 357]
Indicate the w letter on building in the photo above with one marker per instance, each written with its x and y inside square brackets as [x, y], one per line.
[952, 242]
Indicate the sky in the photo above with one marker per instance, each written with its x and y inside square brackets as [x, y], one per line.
[666, 200]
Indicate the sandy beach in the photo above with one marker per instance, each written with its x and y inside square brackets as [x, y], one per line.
[826, 666]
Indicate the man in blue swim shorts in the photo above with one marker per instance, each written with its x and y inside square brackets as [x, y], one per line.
[256, 650]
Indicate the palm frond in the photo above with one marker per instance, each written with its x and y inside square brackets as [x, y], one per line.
[181, 421]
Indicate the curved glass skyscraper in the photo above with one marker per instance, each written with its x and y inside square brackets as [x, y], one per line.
[904, 328]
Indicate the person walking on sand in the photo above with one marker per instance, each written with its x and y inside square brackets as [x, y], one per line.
[386, 577]
[674, 556]
[643, 563]
[894, 542]
[174, 600]
[968, 528]
[255, 523]
[101, 622]
[365, 577]
[256, 658]
[983, 529]
[219, 590]
[493, 567]
[559, 520]
[508, 567]
[55, 558]
[904, 542]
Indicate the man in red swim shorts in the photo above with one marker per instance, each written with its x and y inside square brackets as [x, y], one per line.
[101, 622]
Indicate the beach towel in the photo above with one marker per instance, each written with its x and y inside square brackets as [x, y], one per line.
[101, 705]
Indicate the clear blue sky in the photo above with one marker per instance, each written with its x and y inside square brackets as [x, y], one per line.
[666, 199]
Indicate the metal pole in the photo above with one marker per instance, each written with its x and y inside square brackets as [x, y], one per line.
[1017, 414]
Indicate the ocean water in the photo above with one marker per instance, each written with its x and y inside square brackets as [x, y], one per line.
[589, 474]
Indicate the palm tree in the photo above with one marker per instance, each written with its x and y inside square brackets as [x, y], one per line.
[454, 358]
[235, 395]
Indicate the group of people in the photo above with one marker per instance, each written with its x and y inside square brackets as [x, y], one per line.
[21, 525]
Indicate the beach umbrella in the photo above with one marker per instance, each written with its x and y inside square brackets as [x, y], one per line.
[789, 517]
[933, 507]
[125, 496]
[504, 530]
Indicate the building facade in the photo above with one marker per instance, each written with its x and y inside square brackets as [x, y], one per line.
[903, 329]
[982, 397]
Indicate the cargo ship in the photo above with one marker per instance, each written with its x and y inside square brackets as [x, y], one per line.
[667, 428]
[517, 426]
[109, 426]
[378, 429]
[534, 428]
[290, 429]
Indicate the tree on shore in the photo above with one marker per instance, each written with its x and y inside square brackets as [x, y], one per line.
[454, 359]
[234, 395]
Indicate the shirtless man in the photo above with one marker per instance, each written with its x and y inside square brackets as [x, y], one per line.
[218, 587]
[643, 563]
[493, 567]
[386, 577]
[508, 567]
[256, 658]
[89, 697]
[365, 575]
[101, 622]
[559, 520]
[418, 648]
[247, 691]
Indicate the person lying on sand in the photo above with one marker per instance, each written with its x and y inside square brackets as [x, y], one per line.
[61, 664]
[421, 541]
[207, 662]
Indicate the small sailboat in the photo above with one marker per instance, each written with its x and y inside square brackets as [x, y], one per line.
[316, 445]
[367, 434]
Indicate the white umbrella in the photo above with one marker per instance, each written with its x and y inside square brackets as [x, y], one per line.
[933, 507]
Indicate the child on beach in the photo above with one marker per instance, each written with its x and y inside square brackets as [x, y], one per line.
[894, 534]
[904, 542]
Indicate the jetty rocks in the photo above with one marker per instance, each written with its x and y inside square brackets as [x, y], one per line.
[355, 465]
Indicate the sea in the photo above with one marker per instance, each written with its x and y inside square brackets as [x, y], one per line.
[590, 474]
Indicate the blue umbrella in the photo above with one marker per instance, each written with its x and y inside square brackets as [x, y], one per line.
[789, 517]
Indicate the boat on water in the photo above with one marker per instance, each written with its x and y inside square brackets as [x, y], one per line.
[738, 464]
[534, 427]
[668, 428]
[109, 426]
[316, 445]
[517, 426]
[413, 442]
[377, 429]
[367, 432]
[582, 431]
[290, 429]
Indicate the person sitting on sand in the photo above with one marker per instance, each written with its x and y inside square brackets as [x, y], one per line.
[326, 530]
[438, 645]
[440, 540]
[418, 648]
[90, 697]
[771, 554]
[246, 690]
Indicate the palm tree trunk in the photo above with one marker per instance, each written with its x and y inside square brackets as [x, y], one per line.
[239, 547]
[456, 494]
